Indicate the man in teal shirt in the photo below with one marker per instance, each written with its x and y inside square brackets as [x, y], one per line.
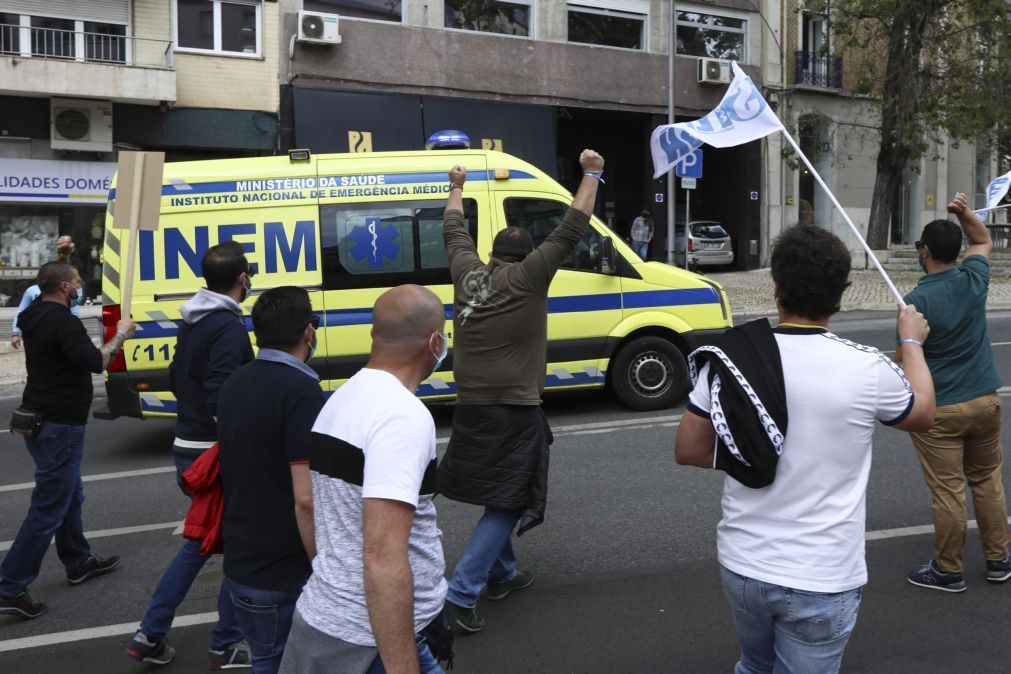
[963, 446]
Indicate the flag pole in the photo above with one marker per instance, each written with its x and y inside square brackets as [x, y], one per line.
[870, 253]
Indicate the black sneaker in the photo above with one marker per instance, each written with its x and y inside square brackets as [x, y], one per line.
[235, 656]
[157, 651]
[998, 571]
[95, 566]
[23, 606]
[499, 589]
[931, 577]
[468, 619]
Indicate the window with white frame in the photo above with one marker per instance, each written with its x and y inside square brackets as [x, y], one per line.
[377, 10]
[507, 17]
[595, 24]
[712, 35]
[219, 26]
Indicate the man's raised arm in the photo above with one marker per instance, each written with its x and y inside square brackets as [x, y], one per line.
[460, 247]
[975, 230]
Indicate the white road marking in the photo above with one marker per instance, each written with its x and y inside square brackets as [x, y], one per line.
[121, 531]
[912, 531]
[98, 476]
[54, 638]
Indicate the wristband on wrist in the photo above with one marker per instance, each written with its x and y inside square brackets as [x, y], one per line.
[456, 186]
[595, 174]
[122, 334]
[911, 340]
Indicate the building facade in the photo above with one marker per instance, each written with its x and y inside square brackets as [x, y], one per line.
[80, 81]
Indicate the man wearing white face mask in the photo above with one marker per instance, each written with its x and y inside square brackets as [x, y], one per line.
[375, 597]
[265, 414]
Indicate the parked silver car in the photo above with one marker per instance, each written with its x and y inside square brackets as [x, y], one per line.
[708, 244]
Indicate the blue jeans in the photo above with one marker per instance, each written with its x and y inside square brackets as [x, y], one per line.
[55, 509]
[176, 582]
[641, 248]
[426, 661]
[489, 554]
[788, 631]
[265, 617]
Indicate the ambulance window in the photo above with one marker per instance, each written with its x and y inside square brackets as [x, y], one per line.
[376, 245]
[541, 216]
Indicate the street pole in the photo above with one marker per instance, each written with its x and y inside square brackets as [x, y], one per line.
[671, 46]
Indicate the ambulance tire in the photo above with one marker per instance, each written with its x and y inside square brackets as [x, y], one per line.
[649, 373]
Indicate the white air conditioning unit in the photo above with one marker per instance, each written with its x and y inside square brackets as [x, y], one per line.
[79, 124]
[318, 28]
[714, 71]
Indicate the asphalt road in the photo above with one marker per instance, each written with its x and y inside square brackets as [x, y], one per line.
[626, 576]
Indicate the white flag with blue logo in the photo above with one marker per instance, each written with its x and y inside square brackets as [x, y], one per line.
[995, 193]
[741, 117]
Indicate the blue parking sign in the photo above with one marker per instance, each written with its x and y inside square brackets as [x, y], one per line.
[690, 166]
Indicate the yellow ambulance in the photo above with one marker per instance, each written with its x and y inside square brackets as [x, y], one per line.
[346, 227]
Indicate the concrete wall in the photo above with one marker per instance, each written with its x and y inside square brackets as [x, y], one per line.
[216, 81]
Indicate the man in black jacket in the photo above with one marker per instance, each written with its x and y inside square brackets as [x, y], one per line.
[60, 359]
[498, 453]
[213, 343]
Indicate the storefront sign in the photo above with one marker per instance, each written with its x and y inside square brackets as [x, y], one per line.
[50, 181]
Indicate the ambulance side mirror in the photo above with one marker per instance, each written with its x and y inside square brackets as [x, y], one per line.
[607, 263]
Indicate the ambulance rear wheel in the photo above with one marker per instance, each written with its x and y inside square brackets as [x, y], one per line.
[649, 373]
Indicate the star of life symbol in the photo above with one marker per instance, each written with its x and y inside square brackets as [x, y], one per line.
[375, 241]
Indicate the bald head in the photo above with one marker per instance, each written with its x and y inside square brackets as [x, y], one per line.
[407, 313]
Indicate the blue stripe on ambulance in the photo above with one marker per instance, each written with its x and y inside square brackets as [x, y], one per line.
[179, 187]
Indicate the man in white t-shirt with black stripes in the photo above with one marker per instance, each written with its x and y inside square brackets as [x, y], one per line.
[377, 585]
[792, 552]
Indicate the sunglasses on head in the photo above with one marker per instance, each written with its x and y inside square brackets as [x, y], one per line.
[919, 245]
[314, 321]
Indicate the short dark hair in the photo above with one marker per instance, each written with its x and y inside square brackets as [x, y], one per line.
[222, 265]
[512, 244]
[52, 274]
[646, 214]
[811, 266]
[280, 316]
[943, 238]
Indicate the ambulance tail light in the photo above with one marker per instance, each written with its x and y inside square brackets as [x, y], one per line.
[110, 317]
[690, 244]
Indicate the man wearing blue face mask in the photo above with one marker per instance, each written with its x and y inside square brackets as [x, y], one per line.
[265, 415]
[64, 250]
[213, 343]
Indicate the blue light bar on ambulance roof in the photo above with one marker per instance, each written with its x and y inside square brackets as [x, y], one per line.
[448, 140]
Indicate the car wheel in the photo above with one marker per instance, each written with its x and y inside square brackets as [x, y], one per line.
[649, 373]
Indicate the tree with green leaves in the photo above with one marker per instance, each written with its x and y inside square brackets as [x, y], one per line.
[937, 67]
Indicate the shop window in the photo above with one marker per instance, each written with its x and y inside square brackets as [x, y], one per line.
[490, 16]
[28, 234]
[220, 26]
[379, 10]
[710, 35]
[10, 33]
[612, 28]
[53, 37]
[384, 244]
[105, 42]
[540, 217]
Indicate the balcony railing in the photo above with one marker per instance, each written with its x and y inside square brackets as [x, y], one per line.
[73, 45]
[819, 71]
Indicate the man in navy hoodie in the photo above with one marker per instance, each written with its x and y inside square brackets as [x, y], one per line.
[213, 343]
[60, 360]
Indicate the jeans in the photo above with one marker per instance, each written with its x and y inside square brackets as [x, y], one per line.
[265, 617]
[788, 631]
[963, 446]
[641, 248]
[55, 509]
[426, 661]
[489, 554]
[176, 582]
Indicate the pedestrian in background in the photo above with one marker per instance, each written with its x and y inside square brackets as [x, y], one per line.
[377, 587]
[642, 234]
[213, 343]
[498, 452]
[64, 250]
[60, 360]
[789, 414]
[266, 411]
[963, 446]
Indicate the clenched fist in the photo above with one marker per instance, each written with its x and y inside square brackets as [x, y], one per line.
[457, 175]
[591, 161]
